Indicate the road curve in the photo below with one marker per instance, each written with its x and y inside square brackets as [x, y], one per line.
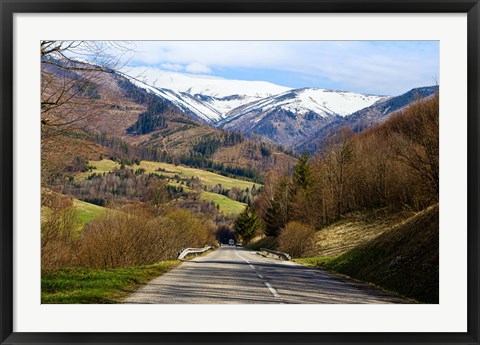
[236, 275]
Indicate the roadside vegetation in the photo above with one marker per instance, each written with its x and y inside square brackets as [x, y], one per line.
[84, 285]
[365, 206]
[403, 259]
[130, 236]
[114, 252]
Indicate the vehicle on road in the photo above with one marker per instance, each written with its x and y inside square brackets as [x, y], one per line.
[231, 242]
[239, 244]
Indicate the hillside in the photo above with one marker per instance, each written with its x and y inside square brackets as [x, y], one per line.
[208, 98]
[228, 193]
[83, 214]
[403, 259]
[294, 115]
[86, 212]
[354, 229]
[364, 118]
[115, 107]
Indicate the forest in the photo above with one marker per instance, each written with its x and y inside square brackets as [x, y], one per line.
[391, 166]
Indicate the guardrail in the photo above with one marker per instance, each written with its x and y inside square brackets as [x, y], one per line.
[189, 251]
[275, 254]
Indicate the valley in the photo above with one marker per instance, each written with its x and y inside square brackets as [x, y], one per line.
[209, 185]
[138, 164]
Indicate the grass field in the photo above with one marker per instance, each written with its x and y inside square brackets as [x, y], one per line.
[227, 205]
[82, 285]
[208, 178]
[86, 212]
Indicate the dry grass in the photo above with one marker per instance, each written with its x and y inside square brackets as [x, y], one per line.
[354, 229]
[404, 259]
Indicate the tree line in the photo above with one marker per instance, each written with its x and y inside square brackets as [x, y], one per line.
[394, 165]
[131, 235]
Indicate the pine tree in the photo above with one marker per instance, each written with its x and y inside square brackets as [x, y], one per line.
[278, 211]
[247, 224]
[303, 174]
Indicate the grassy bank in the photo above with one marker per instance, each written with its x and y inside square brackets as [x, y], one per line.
[403, 259]
[82, 285]
[226, 205]
[354, 229]
[86, 212]
[265, 242]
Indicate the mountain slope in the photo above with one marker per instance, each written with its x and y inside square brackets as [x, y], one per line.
[136, 120]
[294, 115]
[402, 259]
[218, 95]
[365, 117]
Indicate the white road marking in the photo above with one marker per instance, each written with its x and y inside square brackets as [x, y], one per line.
[270, 287]
[272, 290]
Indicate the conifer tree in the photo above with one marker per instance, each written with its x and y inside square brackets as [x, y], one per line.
[278, 211]
[247, 224]
[303, 174]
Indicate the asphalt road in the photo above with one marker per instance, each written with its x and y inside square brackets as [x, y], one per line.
[237, 275]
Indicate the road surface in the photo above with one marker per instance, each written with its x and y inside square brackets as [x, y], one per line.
[237, 275]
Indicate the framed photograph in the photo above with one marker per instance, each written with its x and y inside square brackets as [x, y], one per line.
[239, 172]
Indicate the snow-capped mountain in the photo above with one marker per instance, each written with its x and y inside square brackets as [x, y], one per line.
[300, 102]
[188, 104]
[293, 115]
[366, 117]
[283, 115]
[218, 95]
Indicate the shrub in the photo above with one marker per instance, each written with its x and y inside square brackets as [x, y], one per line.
[297, 239]
[134, 237]
[59, 222]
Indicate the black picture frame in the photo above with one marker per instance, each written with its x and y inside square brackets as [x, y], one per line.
[9, 8]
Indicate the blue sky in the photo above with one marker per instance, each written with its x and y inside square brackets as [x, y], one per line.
[376, 67]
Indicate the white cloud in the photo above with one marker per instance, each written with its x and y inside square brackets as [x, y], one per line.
[369, 66]
[171, 66]
[196, 67]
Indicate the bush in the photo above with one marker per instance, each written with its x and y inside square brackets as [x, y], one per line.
[297, 239]
[134, 237]
[59, 222]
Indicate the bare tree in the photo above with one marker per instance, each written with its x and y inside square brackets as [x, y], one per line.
[71, 73]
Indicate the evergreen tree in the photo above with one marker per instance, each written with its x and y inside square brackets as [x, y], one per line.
[247, 224]
[303, 174]
[278, 211]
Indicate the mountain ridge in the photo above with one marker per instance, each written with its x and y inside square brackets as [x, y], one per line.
[285, 118]
[366, 117]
